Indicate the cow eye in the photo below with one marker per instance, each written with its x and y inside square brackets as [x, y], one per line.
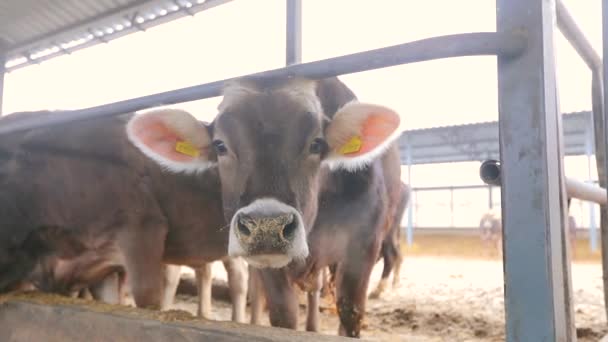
[318, 146]
[219, 147]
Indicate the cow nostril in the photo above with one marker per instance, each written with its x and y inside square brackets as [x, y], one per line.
[290, 229]
[243, 228]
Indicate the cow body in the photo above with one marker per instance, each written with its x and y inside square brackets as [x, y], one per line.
[355, 213]
[310, 178]
[324, 285]
[79, 203]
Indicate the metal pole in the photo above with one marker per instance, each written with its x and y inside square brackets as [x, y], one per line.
[601, 96]
[2, 72]
[293, 32]
[537, 302]
[451, 207]
[491, 173]
[567, 25]
[410, 215]
[585, 191]
[458, 45]
[490, 198]
[591, 205]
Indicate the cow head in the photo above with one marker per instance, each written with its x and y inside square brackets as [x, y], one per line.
[270, 141]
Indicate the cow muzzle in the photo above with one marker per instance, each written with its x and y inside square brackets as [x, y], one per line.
[267, 233]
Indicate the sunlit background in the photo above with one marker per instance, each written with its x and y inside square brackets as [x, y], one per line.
[242, 37]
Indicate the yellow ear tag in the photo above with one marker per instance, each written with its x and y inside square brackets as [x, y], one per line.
[186, 148]
[352, 146]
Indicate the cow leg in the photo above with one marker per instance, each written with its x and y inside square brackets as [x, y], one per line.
[237, 281]
[108, 290]
[312, 318]
[143, 250]
[281, 298]
[352, 282]
[397, 268]
[325, 289]
[498, 244]
[389, 260]
[85, 294]
[204, 279]
[255, 296]
[171, 275]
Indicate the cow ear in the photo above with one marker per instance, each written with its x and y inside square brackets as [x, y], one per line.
[359, 133]
[172, 138]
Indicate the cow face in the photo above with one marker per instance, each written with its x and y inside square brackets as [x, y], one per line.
[269, 142]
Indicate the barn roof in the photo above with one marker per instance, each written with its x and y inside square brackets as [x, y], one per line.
[32, 31]
[479, 141]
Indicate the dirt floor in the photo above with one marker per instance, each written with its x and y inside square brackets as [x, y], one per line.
[446, 295]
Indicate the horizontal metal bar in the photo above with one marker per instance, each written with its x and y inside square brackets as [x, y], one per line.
[585, 191]
[455, 187]
[491, 174]
[567, 25]
[459, 45]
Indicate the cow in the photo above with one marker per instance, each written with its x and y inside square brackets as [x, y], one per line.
[490, 227]
[490, 230]
[308, 175]
[390, 253]
[81, 207]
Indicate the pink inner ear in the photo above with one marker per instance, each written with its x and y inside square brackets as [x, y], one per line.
[158, 137]
[376, 129]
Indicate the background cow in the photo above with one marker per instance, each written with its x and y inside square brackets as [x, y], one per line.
[490, 227]
[490, 230]
[309, 178]
[80, 207]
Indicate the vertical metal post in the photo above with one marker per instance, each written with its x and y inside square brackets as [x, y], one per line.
[590, 205]
[293, 33]
[451, 207]
[600, 99]
[2, 72]
[410, 215]
[537, 301]
[490, 198]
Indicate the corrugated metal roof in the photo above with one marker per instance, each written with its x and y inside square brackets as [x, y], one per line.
[35, 30]
[479, 141]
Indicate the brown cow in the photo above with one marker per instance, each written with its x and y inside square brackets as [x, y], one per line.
[79, 204]
[390, 252]
[309, 177]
